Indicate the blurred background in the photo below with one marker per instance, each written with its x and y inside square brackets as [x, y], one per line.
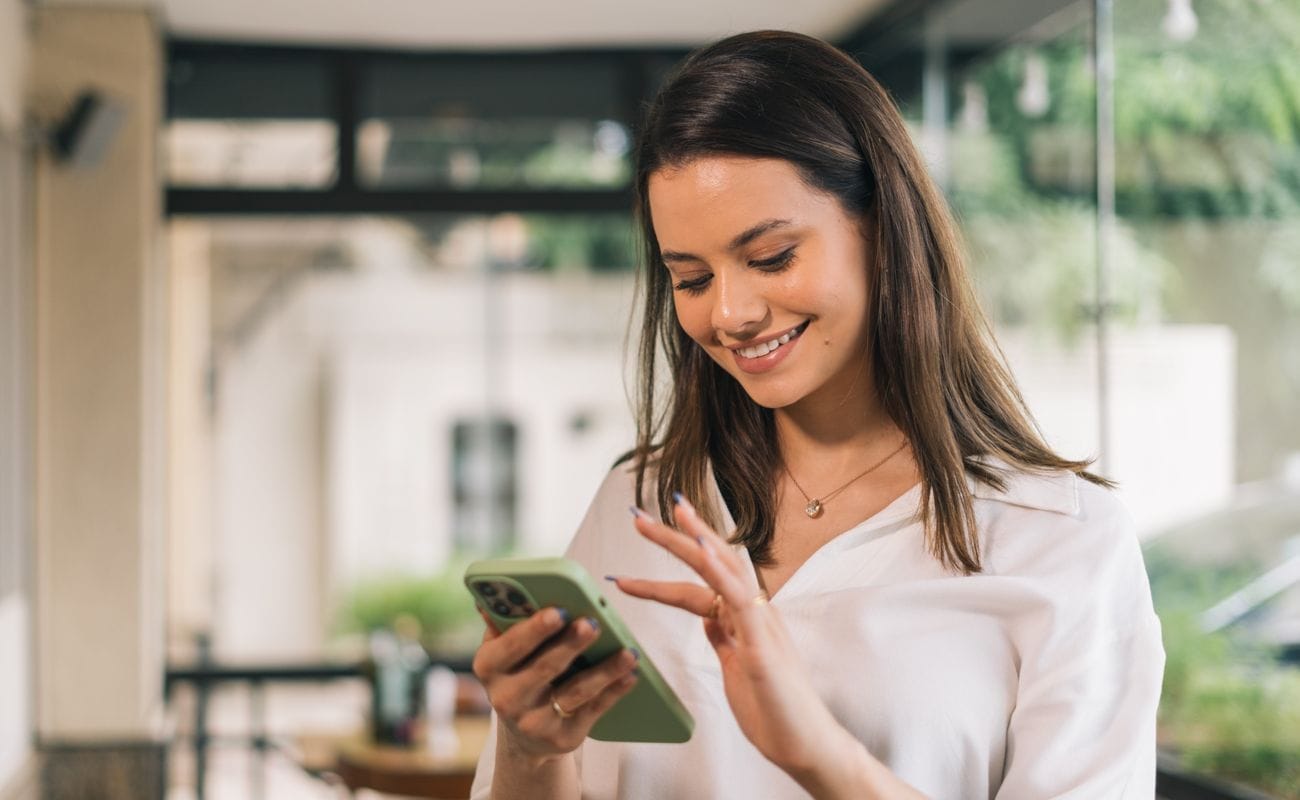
[306, 304]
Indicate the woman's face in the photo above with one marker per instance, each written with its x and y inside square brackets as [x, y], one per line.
[769, 276]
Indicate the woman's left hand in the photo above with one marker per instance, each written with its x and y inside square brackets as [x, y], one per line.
[766, 684]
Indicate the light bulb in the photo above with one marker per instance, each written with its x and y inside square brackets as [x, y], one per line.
[1032, 99]
[1180, 22]
[974, 108]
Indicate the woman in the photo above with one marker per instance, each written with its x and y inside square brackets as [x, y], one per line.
[903, 591]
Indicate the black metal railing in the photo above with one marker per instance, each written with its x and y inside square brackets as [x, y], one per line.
[204, 676]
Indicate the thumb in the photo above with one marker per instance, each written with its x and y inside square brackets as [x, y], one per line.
[491, 631]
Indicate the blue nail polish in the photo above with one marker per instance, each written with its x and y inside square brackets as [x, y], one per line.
[595, 626]
[636, 654]
[564, 616]
[636, 512]
[679, 498]
[611, 577]
[699, 540]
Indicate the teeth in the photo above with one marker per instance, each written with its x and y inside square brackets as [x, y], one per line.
[760, 350]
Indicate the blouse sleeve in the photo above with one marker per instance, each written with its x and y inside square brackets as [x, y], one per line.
[1084, 724]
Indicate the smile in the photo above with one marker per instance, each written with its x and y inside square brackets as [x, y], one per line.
[765, 355]
[763, 348]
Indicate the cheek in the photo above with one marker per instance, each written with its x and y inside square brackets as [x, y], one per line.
[693, 316]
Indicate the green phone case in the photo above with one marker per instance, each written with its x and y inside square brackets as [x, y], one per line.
[651, 712]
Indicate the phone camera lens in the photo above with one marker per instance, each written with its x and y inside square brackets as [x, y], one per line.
[516, 598]
[487, 590]
[502, 609]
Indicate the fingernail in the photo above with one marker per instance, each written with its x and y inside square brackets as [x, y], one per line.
[679, 498]
[636, 654]
[611, 577]
[636, 512]
[562, 616]
[699, 540]
[595, 626]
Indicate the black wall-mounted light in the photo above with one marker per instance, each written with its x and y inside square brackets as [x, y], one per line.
[83, 135]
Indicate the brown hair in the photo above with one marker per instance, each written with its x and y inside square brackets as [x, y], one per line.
[936, 367]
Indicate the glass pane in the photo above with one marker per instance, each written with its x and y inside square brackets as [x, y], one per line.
[1018, 163]
[493, 154]
[378, 402]
[1208, 182]
[253, 120]
[246, 153]
[483, 123]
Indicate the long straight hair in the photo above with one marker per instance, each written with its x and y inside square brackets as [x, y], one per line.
[938, 372]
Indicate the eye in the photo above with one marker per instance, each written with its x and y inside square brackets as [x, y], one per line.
[694, 286]
[776, 263]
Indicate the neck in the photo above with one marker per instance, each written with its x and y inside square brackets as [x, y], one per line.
[828, 435]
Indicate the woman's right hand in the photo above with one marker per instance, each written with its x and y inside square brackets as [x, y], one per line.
[517, 668]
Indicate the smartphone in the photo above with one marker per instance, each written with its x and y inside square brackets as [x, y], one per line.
[509, 590]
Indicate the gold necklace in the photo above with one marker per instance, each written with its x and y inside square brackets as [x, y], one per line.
[817, 504]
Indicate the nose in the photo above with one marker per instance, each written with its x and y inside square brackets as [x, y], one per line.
[740, 310]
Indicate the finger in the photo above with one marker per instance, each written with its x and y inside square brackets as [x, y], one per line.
[718, 565]
[490, 632]
[696, 544]
[505, 652]
[515, 693]
[589, 712]
[718, 636]
[690, 597]
[588, 684]
[551, 661]
[725, 571]
[686, 547]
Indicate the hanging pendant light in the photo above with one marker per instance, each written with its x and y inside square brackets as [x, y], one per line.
[1180, 22]
[1033, 99]
[974, 108]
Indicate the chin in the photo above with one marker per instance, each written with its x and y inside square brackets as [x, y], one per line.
[773, 396]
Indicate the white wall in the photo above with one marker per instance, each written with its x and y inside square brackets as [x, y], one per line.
[1172, 413]
[13, 61]
[15, 641]
[15, 683]
[332, 434]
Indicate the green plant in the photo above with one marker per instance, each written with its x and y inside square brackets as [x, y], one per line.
[1228, 706]
[445, 610]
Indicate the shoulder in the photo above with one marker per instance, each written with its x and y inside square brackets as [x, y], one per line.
[1067, 537]
[606, 528]
[1052, 522]
[618, 488]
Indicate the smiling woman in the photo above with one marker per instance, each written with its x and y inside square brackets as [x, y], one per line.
[744, 298]
[898, 588]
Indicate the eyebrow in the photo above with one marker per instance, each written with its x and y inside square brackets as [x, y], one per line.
[740, 241]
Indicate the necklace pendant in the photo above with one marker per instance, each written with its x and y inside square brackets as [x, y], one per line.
[814, 508]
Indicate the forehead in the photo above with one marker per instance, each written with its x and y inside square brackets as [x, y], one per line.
[713, 198]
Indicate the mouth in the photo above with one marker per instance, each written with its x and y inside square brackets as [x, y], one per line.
[766, 355]
[771, 345]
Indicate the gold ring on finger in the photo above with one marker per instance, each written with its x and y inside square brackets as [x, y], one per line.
[559, 711]
[715, 606]
[760, 599]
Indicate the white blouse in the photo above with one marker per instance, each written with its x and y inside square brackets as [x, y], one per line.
[1038, 678]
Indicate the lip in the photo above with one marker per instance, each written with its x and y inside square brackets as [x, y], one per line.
[768, 362]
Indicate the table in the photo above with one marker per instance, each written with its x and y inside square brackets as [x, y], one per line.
[359, 763]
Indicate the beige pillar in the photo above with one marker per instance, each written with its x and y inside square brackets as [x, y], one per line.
[101, 427]
[189, 532]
